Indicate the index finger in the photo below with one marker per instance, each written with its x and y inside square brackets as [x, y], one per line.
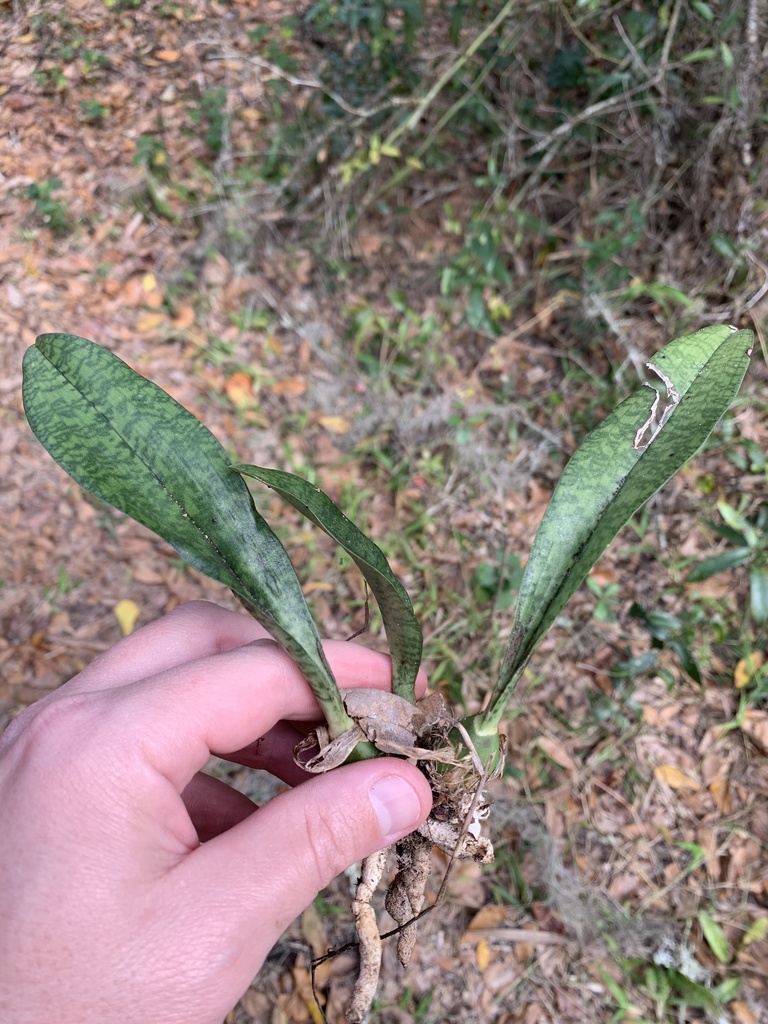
[176, 719]
[194, 630]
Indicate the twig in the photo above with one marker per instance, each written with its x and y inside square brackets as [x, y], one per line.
[367, 619]
[584, 115]
[516, 935]
[410, 122]
[667, 47]
[637, 60]
[748, 72]
[313, 83]
[404, 172]
[586, 42]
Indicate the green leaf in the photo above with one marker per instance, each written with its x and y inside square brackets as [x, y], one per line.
[403, 630]
[756, 932]
[691, 993]
[734, 537]
[727, 990]
[758, 595]
[706, 53]
[625, 460]
[126, 441]
[718, 563]
[687, 660]
[715, 937]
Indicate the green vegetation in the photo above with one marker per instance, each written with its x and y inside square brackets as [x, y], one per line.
[49, 209]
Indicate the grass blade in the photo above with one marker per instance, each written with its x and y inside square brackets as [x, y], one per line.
[718, 563]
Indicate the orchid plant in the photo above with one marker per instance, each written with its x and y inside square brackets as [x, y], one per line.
[133, 446]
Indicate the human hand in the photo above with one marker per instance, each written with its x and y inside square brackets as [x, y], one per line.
[111, 909]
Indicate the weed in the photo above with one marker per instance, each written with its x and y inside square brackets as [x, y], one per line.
[498, 582]
[211, 114]
[63, 587]
[608, 598]
[480, 269]
[50, 210]
[152, 154]
[51, 79]
[249, 319]
[746, 544]
[91, 111]
[673, 632]
[92, 62]
[377, 38]
[397, 350]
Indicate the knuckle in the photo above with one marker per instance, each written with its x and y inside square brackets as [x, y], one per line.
[192, 610]
[63, 718]
[329, 843]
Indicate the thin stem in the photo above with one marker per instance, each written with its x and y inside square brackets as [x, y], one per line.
[413, 119]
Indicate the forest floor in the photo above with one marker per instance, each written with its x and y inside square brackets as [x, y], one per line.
[631, 827]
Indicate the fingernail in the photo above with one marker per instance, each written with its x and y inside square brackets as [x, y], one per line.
[397, 806]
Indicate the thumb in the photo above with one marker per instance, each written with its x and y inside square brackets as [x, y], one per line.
[279, 858]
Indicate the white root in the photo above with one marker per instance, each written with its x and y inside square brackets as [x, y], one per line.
[368, 935]
[405, 896]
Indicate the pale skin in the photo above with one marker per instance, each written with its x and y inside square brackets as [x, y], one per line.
[111, 908]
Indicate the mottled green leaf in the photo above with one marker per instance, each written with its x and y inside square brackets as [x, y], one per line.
[126, 441]
[625, 460]
[403, 631]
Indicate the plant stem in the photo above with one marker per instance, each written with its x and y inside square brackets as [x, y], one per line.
[488, 721]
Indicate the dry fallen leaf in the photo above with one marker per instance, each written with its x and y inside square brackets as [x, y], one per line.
[239, 389]
[742, 1013]
[143, 574]
[369, 244]
[746, 669]
[335, 424]
[184, 319]
[313, 586]
[151, 295]
[127, 613]
[293, 386]
[675, 778]
[720, 790]
[492, 915]
[149, 322]
[556, 752]
[755, 725]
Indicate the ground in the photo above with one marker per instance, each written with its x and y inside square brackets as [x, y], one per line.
[631, 827]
